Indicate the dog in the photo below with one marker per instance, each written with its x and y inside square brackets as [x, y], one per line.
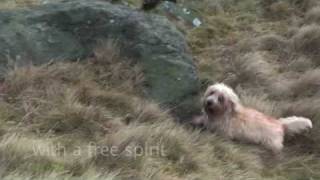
[225, 115]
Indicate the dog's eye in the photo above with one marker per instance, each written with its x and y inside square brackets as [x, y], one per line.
[212, 92]
[221, 99]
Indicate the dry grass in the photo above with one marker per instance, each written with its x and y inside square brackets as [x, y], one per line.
[301, 64]
[50, 113]
[304, 5]
[99, 102]
[307, 41]
[285, 8]
[77, 107]
[307, 85]
[274, 43]
[255, 68]
[313, 15]
[11, 4]
[274, 68]
[206, 35]
[280, 9]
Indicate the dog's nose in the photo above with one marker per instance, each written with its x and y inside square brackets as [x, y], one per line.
[209, 103]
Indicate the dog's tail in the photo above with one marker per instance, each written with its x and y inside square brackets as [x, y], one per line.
[295, 125]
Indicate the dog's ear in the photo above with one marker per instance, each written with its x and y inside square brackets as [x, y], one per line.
[230, 105]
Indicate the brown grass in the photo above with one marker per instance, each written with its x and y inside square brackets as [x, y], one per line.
[274, 43]
[280, 9]
[301, 64]
[10, 4]
[253, 67]
[99, 101]
[307, 85]
[313, 15]
[307, 41]
[273, 67]
[75, 104]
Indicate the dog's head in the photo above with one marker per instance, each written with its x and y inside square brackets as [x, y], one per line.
[219, 99]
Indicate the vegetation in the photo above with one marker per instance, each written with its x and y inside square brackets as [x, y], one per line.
[56, 119]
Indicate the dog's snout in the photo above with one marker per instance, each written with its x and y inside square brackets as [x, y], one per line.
[209, 102]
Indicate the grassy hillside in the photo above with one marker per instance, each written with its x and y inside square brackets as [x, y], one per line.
[88, 121]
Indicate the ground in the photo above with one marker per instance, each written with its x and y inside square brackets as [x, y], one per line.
[58, 124]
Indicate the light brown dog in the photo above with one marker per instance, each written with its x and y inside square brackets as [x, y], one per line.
[228, 117]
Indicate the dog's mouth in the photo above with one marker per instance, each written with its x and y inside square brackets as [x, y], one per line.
[213, 110]
[210, 109]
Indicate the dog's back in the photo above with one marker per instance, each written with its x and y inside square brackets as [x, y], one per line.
[254, 126]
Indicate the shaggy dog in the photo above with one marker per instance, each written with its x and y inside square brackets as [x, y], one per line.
[228, 117]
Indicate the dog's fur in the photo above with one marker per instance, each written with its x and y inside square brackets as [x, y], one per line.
[225, 115]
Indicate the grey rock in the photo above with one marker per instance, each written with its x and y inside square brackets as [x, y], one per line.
[70, 30]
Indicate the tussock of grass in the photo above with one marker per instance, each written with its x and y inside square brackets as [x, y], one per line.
[97, 102]
[9, 4]
[275, 43]
[55, 106]
[274, 8]
[301, 64]
[304, 5]
[253, 67]
[77, 106]
[274, 68]
[309, 109]
[307, 41]
[114, 70]
[280, 9]
[284, 8]
[22, 155]
[306, 85]
[217, 28]
[246, 45]
[313, 15]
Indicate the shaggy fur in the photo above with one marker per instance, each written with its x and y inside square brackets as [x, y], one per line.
[228, 117]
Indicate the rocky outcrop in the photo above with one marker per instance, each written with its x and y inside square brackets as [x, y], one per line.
[70, 30]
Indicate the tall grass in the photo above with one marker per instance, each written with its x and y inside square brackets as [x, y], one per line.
[74, 112]
[272, 63]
